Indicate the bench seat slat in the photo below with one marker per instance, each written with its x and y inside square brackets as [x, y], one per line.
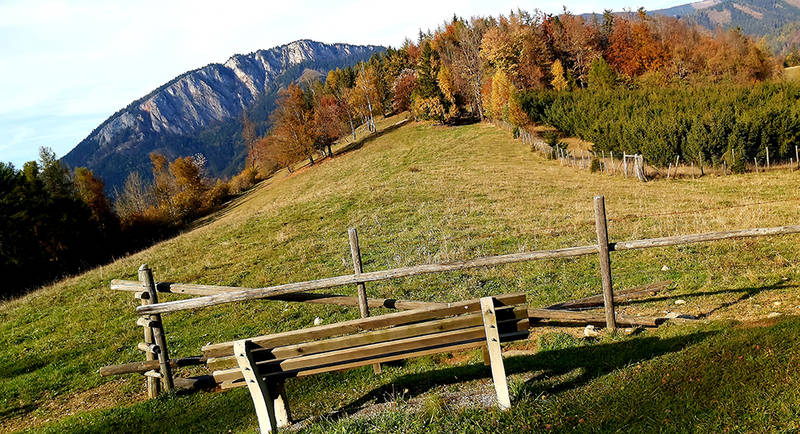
[363, 324]
[366, 338]
[442, 341]
[239, 382]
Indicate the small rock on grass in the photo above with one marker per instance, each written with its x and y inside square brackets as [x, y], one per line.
[591, 331]
[317, 321]
[677, 315]
[680, 301]
[665, 268]
[774, 314]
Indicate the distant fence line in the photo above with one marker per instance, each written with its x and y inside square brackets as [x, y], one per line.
[634, 165]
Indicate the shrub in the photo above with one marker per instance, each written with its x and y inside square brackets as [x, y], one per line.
[596, 165]
[218, 194]
[428, 109]
[243, 181]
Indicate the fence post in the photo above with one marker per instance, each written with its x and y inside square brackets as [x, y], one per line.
[363, 307]
[153, 387]
[157, 329]
[625, 164]
[797, 155]
[613, 169]
[767, 149]
[700, 162]
[605, 261]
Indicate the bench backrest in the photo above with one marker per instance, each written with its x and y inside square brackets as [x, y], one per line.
[361, 342]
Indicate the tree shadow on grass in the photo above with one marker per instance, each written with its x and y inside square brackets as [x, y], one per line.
[358, 144]
[591, 361]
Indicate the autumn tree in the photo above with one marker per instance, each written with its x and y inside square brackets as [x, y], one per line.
[292, 124]
[91, 190]
[559, 82]
[459, 45]
[501, 92]
[188, 199]
[402, 89]
[575, 43]
[366, 96]
[328, 122]
[339, 84]
[164, 187]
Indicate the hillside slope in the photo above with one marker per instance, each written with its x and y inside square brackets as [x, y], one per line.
[200, 110]
[420, 194]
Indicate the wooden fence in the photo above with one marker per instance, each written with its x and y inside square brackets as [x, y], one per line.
[633, 165]
[150, 310]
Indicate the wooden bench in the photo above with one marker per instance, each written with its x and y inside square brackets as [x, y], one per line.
[263, 363]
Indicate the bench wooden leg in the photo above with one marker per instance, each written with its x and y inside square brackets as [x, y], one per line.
[280, 403]
[495, 352]
[269, 400]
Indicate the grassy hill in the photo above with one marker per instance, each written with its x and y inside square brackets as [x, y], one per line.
[419, 194]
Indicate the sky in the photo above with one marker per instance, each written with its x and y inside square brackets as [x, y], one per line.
[67, 65]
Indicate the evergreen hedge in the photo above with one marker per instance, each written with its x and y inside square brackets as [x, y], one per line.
[703, 123]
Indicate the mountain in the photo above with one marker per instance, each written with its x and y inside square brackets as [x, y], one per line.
[776, 20]
[200, 111]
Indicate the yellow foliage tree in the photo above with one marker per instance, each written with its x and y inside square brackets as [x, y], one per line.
[445, 81]
[557, 70]
[501, 88]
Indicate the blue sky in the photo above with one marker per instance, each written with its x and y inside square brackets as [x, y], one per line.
[68, 65]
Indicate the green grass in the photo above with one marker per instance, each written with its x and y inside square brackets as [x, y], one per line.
[422, 194]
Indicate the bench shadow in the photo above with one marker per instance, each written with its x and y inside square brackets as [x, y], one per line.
[591, 361]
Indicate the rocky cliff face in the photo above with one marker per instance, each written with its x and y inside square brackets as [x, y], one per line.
[200, 111]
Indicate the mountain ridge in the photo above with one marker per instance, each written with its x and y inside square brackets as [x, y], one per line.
[778, 21]
[198, 111]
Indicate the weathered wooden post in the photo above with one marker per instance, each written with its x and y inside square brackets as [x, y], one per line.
[700, 162]
[797, 155]
[767, 149]
[625, 164]
[153, 386]
[363, 307]
[156, 328]
[605, 260]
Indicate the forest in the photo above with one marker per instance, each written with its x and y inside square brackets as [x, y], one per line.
[56, 221]
[605, 80]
